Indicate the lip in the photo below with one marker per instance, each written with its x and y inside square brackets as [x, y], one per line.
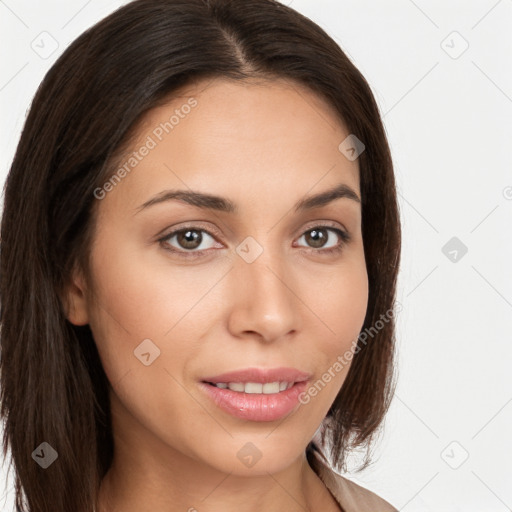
[257, 407]
[260, 375]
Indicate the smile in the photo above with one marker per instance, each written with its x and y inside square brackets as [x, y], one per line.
[256, 394]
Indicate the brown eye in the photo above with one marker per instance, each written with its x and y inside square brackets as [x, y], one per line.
[187, 240]
[316, 237]
[190, 241]
[324, 240]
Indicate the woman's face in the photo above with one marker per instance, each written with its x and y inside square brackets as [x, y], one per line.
[259, 286]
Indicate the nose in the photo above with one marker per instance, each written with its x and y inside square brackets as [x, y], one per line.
[264, 304]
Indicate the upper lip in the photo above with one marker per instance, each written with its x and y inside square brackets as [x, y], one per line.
[261, 375]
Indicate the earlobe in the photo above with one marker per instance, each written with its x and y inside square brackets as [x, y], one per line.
[74, 301]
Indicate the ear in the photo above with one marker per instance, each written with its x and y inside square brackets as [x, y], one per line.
[74, 300]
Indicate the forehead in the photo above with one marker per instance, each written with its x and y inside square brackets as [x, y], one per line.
[265, 139]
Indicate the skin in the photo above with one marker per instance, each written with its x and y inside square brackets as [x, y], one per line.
[264, 146]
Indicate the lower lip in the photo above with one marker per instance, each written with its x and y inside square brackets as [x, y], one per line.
[256, 407]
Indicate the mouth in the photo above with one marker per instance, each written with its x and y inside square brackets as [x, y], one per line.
[257, 394]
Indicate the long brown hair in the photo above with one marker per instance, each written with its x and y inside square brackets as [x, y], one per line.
[53, 387]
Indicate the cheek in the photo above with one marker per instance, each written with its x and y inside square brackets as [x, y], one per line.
[340, 306]
[340, 298]
[140, 295]
[147, 291]
[138, 316]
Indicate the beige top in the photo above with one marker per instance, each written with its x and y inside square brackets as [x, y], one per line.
[350, 496]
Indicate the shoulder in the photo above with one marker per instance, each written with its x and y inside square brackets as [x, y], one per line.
[350, 496]
[354, 497]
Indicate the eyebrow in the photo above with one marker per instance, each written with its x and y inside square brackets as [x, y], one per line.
[222, 204]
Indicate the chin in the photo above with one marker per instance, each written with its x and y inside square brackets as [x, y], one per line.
[256, 455]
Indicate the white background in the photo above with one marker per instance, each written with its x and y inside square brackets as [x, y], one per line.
[448, 116]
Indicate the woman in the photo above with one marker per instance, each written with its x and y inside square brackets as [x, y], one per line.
[200, 230]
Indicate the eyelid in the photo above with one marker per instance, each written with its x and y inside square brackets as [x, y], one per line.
[167, 232]
[213, 230]
[325, 223]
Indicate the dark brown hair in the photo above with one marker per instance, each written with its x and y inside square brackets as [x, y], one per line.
[53, 387]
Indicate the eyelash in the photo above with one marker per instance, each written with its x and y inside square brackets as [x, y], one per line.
[344, 236]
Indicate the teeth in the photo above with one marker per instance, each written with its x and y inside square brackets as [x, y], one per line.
[253, 387]
[269, 388]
